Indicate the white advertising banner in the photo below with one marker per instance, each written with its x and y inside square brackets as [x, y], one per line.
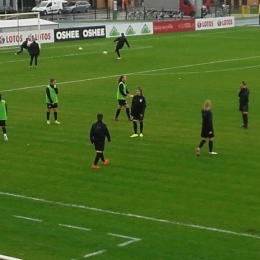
[214, 23]
[16, 38]
[129, 29]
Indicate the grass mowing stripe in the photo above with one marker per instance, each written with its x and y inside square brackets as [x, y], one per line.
[73, 54]
[139, 72]
[129, 215]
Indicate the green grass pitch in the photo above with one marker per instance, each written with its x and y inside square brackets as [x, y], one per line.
[156, 199]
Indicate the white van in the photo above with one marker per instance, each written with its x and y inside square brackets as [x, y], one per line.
[50, 7]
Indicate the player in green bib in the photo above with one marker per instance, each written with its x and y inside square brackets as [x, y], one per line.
[122, 94]
[52, 101]
[3, 116]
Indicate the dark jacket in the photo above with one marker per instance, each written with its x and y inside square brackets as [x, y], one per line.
[207, 119]
[243, 96]
[138, 105]
[34, 48]
[99, 132]
[25, 45]
[121, 41]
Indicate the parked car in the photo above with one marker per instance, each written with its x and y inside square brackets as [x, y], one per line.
[50, 7]
[6, 9]
[77, 7]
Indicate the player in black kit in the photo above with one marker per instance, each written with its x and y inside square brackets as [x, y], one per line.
[98, 133]
[243, 103]
[34, 52]
[137, 111]
[207, 130]
[120, 44]
[24, 45]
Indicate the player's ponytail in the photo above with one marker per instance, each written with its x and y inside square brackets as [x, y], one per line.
[207, 105]
[120, 79]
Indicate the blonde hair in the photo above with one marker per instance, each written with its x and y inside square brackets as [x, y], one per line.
[207, 105]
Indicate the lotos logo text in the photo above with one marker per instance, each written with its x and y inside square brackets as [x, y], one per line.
[227, 22]
[207, 23]
[43, 37]
[11, 39]
[219, 23]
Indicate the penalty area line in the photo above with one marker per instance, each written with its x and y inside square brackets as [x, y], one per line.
[129, 215]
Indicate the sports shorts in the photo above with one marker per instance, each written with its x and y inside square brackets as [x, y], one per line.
[137, 117]
[122, 102]
[243, 107]
[49, 106]
[99, 145]
[2, 123]
[205, 133]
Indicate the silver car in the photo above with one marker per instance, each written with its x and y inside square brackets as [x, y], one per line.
[77, 7]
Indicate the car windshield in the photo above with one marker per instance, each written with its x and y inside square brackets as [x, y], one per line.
[71, 4]
[42, 4]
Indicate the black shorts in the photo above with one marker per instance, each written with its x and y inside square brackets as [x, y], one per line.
[243, 107]
[49, 106]
[99, 145]
[122, 102]
[137, 117]
[2, 123]
[205, 133]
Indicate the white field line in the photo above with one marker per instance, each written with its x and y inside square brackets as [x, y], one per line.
[75, 227]
[73, 54]
[95, 253]
[197, 72]
[137, 72]
[129, 215]
[32, 219]
[4, 257]
[132, 239]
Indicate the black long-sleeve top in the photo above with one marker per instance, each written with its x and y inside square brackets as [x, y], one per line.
[24, 44]
[243, 96]
[99, 132]
[138, 105]
[34, 48]
[49, 94]
[121, 41]
[207, 119]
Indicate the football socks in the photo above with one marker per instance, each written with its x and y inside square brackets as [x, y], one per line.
[202, 143]
[135, 127]
[118, 112]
